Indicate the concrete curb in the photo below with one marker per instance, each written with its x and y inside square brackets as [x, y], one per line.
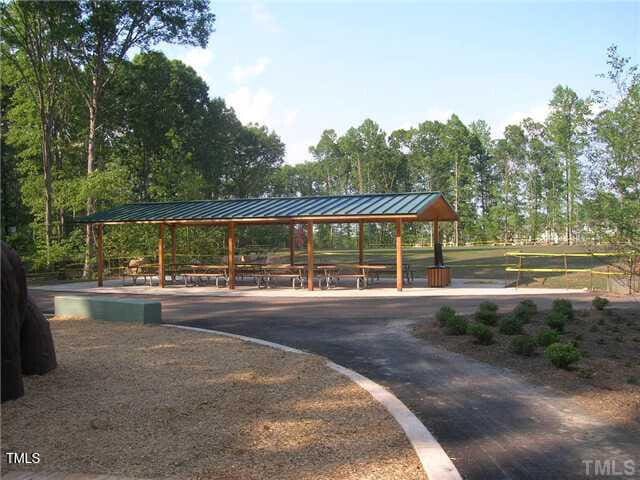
[435, 462]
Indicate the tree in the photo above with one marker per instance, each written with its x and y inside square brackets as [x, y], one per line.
[457, 152]
[614, 207]
[106, 32]
[32, 35]
[511, 156]
[487, 178]
[258, 153]
[567, 125]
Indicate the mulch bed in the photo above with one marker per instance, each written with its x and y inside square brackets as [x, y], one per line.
[154, 402]
[606, 381]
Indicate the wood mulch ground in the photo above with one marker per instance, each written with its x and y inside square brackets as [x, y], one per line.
[606, 381]
[153, 402]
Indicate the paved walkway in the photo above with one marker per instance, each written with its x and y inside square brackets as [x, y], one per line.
[492, 424]
[384, 287]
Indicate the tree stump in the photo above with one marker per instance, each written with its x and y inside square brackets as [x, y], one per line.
[27, 344]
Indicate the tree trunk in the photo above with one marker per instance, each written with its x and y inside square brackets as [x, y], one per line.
[91, 166]
[45, 119]
[568, 200]
[360, 176]
[456, 231]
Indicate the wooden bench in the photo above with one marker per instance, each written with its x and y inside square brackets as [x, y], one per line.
[109, 309]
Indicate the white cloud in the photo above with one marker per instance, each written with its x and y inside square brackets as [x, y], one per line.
[200, 60]
[262, 17]
[290, 117]
[250, 106]
[537, 113]
[298, 152]
[242, 74]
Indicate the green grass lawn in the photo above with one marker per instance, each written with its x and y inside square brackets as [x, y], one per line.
[485, 262]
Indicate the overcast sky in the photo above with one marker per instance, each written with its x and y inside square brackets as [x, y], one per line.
[302, 67]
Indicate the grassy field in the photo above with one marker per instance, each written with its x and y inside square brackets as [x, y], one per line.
[487, 262]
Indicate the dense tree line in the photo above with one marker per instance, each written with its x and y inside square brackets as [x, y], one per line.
[573, 177]
[85, 128]
[87, 125]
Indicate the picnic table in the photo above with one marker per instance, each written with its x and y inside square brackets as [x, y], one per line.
[138, 267]
[295, 273]
[200, 272]
[374, 270]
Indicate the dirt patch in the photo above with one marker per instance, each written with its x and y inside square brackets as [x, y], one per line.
[155, 402]
[606, 381]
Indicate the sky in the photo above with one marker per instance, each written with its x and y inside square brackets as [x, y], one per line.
[302, 67]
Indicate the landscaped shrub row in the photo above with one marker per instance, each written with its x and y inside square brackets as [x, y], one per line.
[561, 355]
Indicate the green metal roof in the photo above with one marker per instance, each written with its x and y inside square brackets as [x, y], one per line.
[378, 205]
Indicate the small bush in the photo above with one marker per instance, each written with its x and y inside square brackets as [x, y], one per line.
[488, 317]
[510, 325]
[444, 314]
[599, 303]
[525, 310]
[523, 345]
[547, 337]
[456, 325]
[564, 306]
[482, 333]
[556, 320]
[562, 355]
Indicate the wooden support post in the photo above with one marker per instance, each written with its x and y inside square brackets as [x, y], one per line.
[173, 253]
[291, 244]
[310, 259]
[100, 253]
[436, 240]
[361, 243]
[161, 257]
[231, 250]
[399, 263]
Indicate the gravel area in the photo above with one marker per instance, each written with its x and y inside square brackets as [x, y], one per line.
[153, 402]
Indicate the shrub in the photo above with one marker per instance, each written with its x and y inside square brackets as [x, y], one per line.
[486, 316]
[456, 325]
[510, 325]
[564, 306]
[556, 320]
[599, 303]
[562, 355]
[525, 310]
[521, 314]
[444, 314]
[482, 333]
[523, 345]
[547, 337]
